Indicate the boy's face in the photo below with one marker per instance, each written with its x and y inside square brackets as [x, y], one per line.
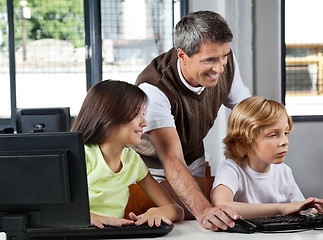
[270, 147]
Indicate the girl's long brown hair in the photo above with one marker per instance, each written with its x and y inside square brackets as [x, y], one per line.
[108, 103]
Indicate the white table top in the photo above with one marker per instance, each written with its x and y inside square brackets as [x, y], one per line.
[191, 230]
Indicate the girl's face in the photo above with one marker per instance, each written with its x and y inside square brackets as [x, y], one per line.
[270, 147]
[130, 133]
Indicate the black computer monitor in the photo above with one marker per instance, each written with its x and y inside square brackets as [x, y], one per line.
[43, 120]
[43, 182]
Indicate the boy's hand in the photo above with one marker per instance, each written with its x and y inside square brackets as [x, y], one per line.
[289, 208]
[318, 205]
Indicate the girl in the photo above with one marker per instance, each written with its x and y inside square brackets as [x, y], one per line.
[253, 180]
[112, 117]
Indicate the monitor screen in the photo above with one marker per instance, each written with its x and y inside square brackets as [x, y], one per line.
[43, 178]
[43, 120]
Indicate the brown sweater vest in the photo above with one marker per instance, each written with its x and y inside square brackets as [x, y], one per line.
[194, 114]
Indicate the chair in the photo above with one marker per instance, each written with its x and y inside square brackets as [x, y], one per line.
[139, 202]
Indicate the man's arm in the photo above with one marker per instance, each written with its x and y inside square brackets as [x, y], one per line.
[169, 149]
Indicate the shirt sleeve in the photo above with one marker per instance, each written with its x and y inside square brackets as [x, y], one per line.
[227, 175]
[89, 156]
[158, 110]
[142, 167]
[238, 90]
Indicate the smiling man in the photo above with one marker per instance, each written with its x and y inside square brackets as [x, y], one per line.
[186, 86]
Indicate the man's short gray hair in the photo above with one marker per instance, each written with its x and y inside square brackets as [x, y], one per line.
[200, 27]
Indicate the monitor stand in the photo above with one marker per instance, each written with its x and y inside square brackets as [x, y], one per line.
[15, 227]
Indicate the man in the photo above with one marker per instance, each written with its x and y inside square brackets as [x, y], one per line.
[186, 87]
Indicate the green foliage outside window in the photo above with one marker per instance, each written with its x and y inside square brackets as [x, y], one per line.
[57, 19]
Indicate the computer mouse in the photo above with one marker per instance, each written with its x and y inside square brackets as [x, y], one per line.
[242, 226]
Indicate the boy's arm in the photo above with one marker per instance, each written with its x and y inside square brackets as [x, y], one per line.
[222, 195]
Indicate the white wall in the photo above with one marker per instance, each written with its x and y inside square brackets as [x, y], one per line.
[256, 26]
[267, 48]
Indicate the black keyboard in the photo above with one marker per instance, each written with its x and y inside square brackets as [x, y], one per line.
[125, 231]
[289, 222]
[279, 223]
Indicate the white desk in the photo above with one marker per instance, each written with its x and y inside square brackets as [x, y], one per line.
[191, 230]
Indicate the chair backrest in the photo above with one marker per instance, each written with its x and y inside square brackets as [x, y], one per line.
[139, 202]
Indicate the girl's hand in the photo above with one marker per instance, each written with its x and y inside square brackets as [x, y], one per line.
[99, 221]
[153, 217]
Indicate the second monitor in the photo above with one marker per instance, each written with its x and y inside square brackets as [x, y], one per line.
[32, 120]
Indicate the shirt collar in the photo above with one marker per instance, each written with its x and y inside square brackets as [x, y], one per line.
[197, 90]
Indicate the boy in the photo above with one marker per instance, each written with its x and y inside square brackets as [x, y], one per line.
[254, 180]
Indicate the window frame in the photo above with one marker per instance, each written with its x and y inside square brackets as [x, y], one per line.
[9, 122]
[295, 118]
[93, 61]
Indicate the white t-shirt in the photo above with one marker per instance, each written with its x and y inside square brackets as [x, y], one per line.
[276, 186]
[159, 109]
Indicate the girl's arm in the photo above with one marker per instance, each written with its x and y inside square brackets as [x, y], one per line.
[222, 195]
[167, 210]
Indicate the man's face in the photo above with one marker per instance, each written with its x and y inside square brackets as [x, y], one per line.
[204, 67]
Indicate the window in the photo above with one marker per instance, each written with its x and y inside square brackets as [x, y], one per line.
[50, 58]
[5, 106]
[303, 57]
[131, 39]
[46, 64]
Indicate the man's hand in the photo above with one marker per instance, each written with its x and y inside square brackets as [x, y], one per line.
[215, 218]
